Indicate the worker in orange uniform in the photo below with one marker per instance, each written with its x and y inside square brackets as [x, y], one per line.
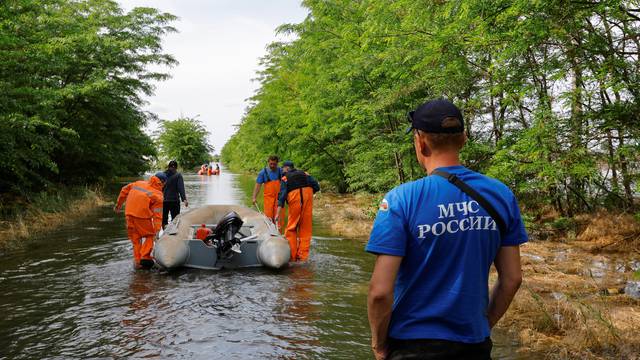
[297, 190]
[143, 212]
[270, 177]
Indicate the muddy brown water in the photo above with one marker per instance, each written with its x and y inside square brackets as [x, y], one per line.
[72, 293]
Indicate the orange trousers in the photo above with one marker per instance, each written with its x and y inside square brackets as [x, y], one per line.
[141, 233]
[300, 220]
[271, 191]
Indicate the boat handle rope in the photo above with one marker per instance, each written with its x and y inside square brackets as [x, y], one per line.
[272, 227]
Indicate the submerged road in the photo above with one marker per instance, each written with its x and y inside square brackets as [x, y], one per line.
[72, 293]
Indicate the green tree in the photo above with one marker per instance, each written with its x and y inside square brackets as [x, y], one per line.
[72, 74]
[550, 92]
[184, 140]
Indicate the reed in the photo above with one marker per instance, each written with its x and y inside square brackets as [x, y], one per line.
[25, 218]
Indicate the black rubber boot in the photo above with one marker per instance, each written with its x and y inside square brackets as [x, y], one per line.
[146, 263]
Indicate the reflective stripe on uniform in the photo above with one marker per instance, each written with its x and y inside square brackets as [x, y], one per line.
[158, 210]
[148, 192]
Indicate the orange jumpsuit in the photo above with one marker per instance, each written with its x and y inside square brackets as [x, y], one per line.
[143, 212]
[298, 189]
[271, 191]
[300, 220]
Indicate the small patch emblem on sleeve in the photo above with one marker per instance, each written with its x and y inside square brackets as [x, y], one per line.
[384, 205]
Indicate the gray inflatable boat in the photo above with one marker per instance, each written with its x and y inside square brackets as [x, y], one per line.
[240, 237]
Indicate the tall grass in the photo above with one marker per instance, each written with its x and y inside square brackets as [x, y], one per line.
[21, 218]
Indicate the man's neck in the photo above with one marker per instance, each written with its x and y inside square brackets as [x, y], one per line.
[440, 160]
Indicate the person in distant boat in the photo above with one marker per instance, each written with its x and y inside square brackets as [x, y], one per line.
[143, 213]
[297, 190]
[217, 169]
[203, 170]
[270, 177]
[435, 240]
[173, 192]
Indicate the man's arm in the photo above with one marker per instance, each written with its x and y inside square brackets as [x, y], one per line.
[507, 264]
[314, 184]
[256, 190]
[124, 192]
[380, 301]
[282, 197]
[156, 208]
[181, 191]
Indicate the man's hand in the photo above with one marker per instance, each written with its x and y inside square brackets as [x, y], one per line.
[186, 203]
[116, 209]
[253, 201]
[276, 219]
[380, 352]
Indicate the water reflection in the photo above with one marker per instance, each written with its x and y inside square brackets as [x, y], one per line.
[298, 305]
[220, 189]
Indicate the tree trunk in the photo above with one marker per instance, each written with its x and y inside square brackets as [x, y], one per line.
[398, 159]
[612, 163]
[624, 169]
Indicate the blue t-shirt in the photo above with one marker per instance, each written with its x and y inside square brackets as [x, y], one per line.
[448, 243]
[267, 175]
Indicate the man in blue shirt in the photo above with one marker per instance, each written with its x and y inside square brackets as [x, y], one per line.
[270, 177]
[428, 296]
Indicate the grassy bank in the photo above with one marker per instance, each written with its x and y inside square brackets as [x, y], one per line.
[571, 304]
[349, 215]
[23, 218]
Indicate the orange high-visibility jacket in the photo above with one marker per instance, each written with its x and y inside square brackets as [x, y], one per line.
[143, 200]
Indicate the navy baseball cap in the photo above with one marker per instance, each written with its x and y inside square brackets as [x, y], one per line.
[161, 175]
[288, 163]
[429, 117]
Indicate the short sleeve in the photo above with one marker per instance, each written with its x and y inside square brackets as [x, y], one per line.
[261, 176]
[516, 233]
[389, 235]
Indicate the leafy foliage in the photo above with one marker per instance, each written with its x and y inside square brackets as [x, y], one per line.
[72, 74]
[184, 140]
[549, 89]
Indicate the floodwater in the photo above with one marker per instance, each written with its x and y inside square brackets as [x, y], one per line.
[73, 293]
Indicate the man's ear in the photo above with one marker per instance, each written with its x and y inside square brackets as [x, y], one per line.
[423, 147]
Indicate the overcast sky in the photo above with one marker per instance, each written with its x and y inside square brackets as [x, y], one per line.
[218, 45]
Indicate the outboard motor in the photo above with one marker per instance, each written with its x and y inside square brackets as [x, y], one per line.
[224, 236]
